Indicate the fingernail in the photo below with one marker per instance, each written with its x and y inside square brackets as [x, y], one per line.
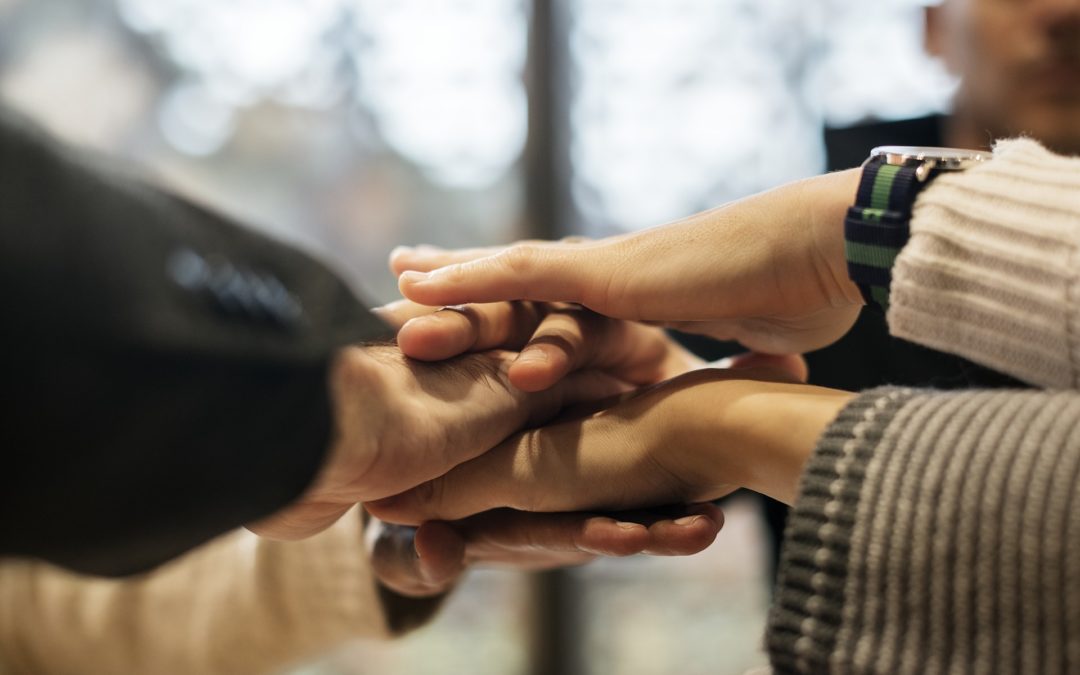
[723, 363]
[630, 526]
[400, 250]
[392, 306]
[686, 521]
[412, 277]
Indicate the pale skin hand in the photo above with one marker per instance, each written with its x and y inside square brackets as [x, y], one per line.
[695, 438]
[563, 339]
[430, 559]
[767, 271]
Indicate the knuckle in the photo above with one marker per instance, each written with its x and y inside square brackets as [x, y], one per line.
[454, 273]
[518, 259]
[351, 367]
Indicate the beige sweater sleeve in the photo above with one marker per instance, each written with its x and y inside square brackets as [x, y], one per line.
[237, 605]
[992, 272]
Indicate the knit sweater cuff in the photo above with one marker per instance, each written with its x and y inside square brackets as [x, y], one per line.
[806, 615]
[992, 272]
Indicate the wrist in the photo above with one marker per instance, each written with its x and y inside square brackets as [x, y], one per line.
[358, 427]
[754, 434]
[827, 198]
[786, 426]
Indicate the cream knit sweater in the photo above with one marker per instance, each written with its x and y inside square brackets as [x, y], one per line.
[237, 605]
[991, 271]
[940, 531]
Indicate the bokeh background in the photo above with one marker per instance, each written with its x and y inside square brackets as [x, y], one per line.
[351, 126]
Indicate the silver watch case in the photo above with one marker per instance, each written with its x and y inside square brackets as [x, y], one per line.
[930, 159]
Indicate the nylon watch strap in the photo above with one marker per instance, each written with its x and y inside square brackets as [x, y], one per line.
[878, 226]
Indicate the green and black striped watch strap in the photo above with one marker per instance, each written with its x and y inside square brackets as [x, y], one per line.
[877, 226]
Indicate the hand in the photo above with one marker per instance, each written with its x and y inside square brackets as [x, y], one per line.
[767, 271]
[399, 423]
[692, 439]
[430, 559]
[553, 341]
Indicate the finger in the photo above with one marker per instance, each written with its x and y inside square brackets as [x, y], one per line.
[543, 540]
[575, 338]
[425, 258]
[546, 272]
[562, 343]
[672, 530]
[534, 539]
[687, 534]
[416, 562]
[452, 331]
[400, 312]
[430, 559]
[440, 549]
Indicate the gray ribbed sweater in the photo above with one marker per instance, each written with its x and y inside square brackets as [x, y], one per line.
[940, 532]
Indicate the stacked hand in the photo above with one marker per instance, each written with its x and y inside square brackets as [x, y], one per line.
[768, 271]
[651, 427]
[600, 477]
[401, 422]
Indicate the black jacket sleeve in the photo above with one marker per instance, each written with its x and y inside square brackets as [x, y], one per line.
[165, 371]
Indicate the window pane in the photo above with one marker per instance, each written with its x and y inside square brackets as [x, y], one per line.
[678, 106]
[350, 125]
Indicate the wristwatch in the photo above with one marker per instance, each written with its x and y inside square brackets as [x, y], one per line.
[878, 225]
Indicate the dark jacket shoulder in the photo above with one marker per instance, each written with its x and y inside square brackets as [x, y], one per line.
[165, 367]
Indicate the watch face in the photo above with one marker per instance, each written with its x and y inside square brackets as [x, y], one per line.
[941, 158]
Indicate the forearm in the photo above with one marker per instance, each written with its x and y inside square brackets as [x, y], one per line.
[932, 531]
[802, 259]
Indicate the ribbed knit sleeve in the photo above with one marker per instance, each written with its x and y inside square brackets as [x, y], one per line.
[991, 271]
[936, 532]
